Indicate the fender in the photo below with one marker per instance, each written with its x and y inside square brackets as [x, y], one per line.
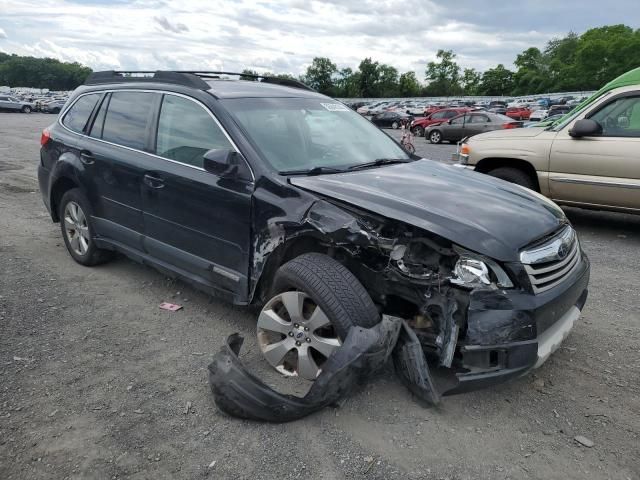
[68, 169]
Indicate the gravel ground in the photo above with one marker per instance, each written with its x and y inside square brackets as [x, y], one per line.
[95, 379]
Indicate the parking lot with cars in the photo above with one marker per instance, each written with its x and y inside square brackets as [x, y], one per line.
[98, 382]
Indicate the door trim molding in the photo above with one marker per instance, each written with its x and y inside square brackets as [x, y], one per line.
[599, 183]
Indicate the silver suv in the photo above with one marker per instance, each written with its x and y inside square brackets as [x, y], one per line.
[7, 102]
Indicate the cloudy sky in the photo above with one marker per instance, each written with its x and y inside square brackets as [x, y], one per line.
[285, 35]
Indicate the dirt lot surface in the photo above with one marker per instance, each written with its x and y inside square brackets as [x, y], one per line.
[95, 379]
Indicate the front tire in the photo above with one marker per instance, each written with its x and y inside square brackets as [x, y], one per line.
[395, 125]
[314, 302]
[418, 131]
[435, 136]
[513, 175]
[26, 109]
[77, 231]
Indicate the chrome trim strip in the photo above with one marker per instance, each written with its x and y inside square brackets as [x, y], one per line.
[165, 92]
[224, 273]
[598, 183]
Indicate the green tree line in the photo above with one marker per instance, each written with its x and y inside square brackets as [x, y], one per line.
[571, 63]
[18, 71]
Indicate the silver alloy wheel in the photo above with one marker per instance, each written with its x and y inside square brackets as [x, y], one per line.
[295, 335]
[435, 137]
[76, 228]
[394, 125]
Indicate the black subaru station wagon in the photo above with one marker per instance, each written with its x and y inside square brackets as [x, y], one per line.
[262, 191]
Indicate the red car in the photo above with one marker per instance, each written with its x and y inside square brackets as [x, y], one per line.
[419, 125]
[518, 113]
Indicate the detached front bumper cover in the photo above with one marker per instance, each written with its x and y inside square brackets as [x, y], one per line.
[239, 393]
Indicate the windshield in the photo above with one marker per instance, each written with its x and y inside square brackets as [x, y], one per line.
[305, 133]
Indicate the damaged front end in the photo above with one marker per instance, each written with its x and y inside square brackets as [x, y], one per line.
[409, 273]
[465, 317]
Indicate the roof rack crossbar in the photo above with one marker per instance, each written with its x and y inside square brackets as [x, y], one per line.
[188, 78]
[286, 82]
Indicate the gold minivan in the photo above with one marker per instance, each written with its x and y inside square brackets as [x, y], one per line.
[589, 158]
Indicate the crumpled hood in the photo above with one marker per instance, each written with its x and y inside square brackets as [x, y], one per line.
[478, 212]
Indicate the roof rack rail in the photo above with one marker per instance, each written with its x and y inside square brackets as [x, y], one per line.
[188, 78]
[178, 78]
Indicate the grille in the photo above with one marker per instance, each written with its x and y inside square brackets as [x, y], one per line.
[550, 263]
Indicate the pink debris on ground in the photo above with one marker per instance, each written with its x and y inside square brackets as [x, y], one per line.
[172, 307]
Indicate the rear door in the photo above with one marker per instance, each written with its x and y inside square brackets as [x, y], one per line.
[119, 146]
[602, 169]
[193, 219]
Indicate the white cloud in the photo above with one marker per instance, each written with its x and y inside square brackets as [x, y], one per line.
[285, 35]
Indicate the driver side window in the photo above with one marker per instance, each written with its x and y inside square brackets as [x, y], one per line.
[186, 132]
[620, 118]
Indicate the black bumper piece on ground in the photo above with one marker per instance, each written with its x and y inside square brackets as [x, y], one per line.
[239, 393]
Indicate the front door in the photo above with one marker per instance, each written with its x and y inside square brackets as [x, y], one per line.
[193, 219]
[601, 169]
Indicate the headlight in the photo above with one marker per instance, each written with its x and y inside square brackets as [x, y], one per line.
[473, 270]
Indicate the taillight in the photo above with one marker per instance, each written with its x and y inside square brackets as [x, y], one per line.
[510, 125]
[45, 137]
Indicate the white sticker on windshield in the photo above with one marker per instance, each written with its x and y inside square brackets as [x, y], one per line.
[335, 107]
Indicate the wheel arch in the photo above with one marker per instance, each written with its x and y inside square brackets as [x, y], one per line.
[58, 189]
[487, 164]
[288, 250]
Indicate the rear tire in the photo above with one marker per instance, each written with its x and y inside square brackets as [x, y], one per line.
[395, 125]
[435, 136]
[26, 109]
[513, 175]
[77, 230]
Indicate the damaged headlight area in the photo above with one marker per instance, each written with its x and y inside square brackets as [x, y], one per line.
[473, 271]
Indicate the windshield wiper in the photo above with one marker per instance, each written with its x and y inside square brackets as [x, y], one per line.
[378, 162]
[313, 171]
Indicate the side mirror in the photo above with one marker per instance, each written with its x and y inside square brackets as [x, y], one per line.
[585, 128]
[221, 162]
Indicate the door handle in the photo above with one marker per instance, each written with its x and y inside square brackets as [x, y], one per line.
[153, 182]
[87, 158]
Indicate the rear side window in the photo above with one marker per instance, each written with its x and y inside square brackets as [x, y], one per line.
[127, 118]
[479, 119]
[186, 131]
[77, 116]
